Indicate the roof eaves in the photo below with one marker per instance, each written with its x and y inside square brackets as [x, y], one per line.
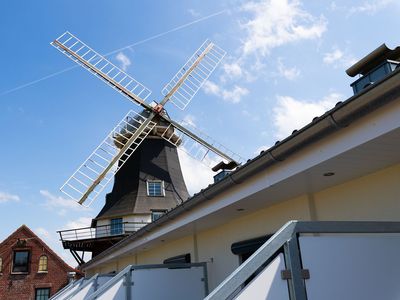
[280, 151]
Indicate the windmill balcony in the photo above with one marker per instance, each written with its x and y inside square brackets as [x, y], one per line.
[98, 232]
[96, 239]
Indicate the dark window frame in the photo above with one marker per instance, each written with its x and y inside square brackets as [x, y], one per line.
[42, 297]
[14, 265]
[156, 214]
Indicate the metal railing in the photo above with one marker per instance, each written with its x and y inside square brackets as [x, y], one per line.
[100, 231]
[286, 240]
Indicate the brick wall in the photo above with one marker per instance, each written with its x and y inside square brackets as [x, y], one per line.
[22, 286]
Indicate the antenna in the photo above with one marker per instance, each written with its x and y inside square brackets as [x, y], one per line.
[92, 176]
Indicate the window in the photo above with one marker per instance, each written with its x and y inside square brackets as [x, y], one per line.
[156, 214]
[21, 262]
[1, 265]
[155, 188]
[42, 294]
[42, 264]
[116, 226]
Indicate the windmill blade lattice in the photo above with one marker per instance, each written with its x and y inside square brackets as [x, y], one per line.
[189, 79]
[92, 176]
[98, 65]
[199, 146]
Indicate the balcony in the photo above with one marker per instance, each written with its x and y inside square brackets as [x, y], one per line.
[96, 239]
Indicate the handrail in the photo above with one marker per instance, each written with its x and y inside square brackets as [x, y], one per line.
[100, 231]
[126, 272]
[255, 261]
[287, 238]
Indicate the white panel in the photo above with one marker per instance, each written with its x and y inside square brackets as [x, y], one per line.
[72, 286]
[102, 279]
[168, 284]
[352, 267]
[69, 292]
[87, 290]
[117, 292]
[268, 285]
[92, 287]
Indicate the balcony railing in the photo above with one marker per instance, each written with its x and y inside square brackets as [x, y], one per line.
[100, 231]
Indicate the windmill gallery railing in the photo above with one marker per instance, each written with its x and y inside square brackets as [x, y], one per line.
[101, 231]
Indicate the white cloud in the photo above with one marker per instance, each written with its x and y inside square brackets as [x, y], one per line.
[278, 22]
[189, 120]
[124, 60]
[332, 57]
[78, 223]
[253, 115]
[197, 175]
[291, 114]
[371, 7]
[338, 58]
[6, 197]
[193, 12]
[42, 232]
[211, 88]
[233, 70]
[233, 95]
[286, 72]
[60, 204]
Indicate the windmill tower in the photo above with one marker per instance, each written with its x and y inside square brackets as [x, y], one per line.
[146, 186]
[142, 146]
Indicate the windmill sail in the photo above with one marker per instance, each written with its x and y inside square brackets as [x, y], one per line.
[95, 63]
[189, 79]
[92, 176]
[200, 146]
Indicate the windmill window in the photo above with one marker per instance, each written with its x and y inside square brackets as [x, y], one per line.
[42, 264]
[20, 262]
[116, 226]
[155, 188]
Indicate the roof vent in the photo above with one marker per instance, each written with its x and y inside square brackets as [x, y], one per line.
[221, 175]
[374, 67]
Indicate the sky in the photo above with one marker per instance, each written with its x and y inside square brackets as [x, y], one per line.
[285, 65]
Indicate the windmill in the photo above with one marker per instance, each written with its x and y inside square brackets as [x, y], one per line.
[88, 181]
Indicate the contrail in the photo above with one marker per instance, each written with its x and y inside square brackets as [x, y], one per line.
[114, 51]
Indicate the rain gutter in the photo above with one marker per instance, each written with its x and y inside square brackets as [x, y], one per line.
[342, 115]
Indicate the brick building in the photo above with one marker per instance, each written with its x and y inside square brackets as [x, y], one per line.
[29, 269]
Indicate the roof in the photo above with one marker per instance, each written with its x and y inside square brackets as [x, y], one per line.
[31, 234]
[373, 59]
[344, 113]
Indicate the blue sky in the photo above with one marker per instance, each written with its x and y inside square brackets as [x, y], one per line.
[285, 65]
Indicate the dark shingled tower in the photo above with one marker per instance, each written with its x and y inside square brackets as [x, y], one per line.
[156, 160]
